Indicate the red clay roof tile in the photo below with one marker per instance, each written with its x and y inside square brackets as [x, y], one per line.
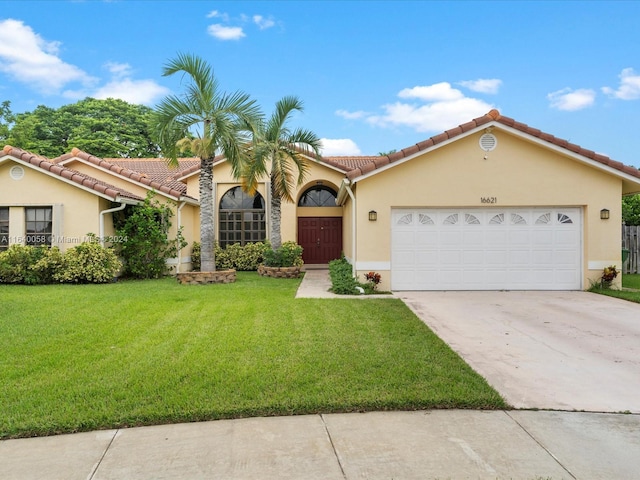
[80, 179]
[494, 115]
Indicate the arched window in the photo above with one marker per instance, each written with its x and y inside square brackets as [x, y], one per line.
[242, 218]
[318, 196]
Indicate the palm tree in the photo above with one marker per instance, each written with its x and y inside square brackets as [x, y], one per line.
[207, 122]
[279, 152]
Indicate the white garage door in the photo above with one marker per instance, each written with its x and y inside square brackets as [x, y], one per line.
[486, 249]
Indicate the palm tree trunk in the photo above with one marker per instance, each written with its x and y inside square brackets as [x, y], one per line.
[275, 235]
[207, 217]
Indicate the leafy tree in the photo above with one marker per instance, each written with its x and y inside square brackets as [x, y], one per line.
[6, 120]
[206, 121]
[631, 209]
[280, 152]
[105, 128]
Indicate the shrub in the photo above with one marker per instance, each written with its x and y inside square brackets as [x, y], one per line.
[88, 262]
[51, 262]
[288, 255]
[373, 279]
[342, 280]
[195, 257]
[17, 265]
[145, 245]
[235, 256]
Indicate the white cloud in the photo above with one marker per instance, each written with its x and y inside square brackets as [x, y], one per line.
[629, 88]
[222, 32]
[263, 23]
[483, 85]
[351, 115]
[439, 107]
[217, 14]
[118, 70]
[437, 92]
[28, 58]
[339, 146]
[133, 91]
[571, 100]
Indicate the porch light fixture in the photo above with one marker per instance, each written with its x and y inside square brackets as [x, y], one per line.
[373, 216]
[604, 214]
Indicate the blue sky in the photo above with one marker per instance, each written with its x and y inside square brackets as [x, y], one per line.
[374, 75]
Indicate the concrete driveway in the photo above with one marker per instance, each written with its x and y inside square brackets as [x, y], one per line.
[552, 350]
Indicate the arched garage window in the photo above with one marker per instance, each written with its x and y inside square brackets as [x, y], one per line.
[242, 218]
[318, 196]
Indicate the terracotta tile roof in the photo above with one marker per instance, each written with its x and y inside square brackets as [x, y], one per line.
[157, 169]
[195, 167]
[140, 177]
[82, 179]
[349, 163]
[492, 116]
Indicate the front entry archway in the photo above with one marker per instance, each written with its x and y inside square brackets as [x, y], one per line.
[320, 238]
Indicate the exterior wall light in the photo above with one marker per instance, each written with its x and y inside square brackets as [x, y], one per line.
[373, 216]
[604, 214]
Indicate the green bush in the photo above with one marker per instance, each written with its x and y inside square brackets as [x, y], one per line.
[51, 262]
[195, 257]
[342, 280]
[288, 255]
[145, 245]
[88, 262]
[17, 265]
[235, 256]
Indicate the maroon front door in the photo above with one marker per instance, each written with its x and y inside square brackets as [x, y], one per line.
[320, 238]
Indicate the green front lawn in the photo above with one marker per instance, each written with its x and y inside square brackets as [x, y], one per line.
[84, 357]
[628, 281]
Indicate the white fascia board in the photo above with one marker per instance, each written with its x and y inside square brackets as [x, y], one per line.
[342, 192]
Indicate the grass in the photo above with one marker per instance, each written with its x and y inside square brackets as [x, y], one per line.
[85, 357]
[631, 281]
[628, 281]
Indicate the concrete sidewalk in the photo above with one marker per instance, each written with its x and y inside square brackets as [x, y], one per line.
[439, 444]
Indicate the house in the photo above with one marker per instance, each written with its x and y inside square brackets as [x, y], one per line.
[491, 204]
[59, 202]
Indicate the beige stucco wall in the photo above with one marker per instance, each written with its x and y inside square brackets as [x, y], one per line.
[76, 212]
[516, 173]
[224, 181]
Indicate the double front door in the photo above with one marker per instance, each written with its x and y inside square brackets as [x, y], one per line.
[320, 238]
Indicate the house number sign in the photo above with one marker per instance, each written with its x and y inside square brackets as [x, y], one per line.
[488, 199]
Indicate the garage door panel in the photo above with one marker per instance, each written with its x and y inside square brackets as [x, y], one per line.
[427, 237]
[487, 249]
[519, 237]
[542, 257]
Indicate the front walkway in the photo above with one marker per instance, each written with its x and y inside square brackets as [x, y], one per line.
[316, 284]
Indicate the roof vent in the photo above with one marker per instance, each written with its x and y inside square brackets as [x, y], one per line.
[488, 142]
[16, 172]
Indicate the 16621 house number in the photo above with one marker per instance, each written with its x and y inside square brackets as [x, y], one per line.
[488, 199]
